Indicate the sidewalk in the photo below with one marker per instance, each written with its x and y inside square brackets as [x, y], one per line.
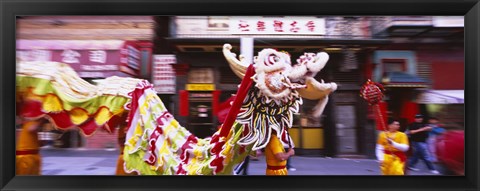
[102, 162]
[57, 161]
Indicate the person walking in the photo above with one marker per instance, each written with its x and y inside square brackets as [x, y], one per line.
[390, 150]
[418, 133]
[432, 137]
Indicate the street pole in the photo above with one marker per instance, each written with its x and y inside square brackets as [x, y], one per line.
[246, 49]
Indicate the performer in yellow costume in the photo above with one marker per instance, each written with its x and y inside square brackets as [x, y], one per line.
[28, 160]
[391, 148]
[276, 157]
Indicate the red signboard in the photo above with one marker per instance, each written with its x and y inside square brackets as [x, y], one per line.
[89, 62]
[131, 56]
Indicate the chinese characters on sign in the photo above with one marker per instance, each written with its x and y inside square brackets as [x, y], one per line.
[131, 57]
[34, 55]
[277, 25]
[70, 56]
[99, 56]
[164, 80]
[88, 63]
[94, 56]
[243, 26]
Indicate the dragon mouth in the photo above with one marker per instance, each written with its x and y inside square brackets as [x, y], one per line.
[300, 81]
[275, 83]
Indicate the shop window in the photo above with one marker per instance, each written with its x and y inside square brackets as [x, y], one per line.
[228, 77]
[394, 65]
[305, 118]
[201, 75]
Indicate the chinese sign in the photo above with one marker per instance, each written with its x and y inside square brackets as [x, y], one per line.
[131, 56]
[278, 25]
[164, 79]
[200, 87]
[88, 63]
[201, 75]
[34, 55]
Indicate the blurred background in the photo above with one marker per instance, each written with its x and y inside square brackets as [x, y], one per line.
[418, 59]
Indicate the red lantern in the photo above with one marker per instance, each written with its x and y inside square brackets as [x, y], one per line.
[373, 93]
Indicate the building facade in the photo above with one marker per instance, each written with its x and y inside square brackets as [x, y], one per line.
[423, 67]
[419, 60]
[206, 81]
[409, 55]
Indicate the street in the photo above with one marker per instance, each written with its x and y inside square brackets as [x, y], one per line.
[103, 162]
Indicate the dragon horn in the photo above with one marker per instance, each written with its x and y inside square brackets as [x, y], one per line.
[236, 65]
[315, 90]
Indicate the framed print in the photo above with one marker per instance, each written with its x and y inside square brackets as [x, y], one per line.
[423, 53]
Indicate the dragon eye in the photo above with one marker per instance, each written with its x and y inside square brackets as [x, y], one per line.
[271, 60]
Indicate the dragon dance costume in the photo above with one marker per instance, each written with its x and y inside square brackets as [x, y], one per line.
[263, 108]
[154, 142]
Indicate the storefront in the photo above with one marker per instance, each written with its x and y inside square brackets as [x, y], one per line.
[199, 102]
[447, 105]
[197, 43]
[425, 62]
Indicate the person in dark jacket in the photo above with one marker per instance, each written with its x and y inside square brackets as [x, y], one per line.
[418, 132]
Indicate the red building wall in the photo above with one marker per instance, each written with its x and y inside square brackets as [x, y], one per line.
[447, 67]
[448, 75]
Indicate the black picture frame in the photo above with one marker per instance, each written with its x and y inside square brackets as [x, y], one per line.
[11, 8]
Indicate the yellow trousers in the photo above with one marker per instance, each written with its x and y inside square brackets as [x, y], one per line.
[28, 164]
[282, 171]
[392, 165]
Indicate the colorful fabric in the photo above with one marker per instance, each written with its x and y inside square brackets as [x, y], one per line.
[394, 159]
[223, 109]
[392, 165]
[54, 90]
[156, 144]
[241, 94]
[264, 118]
[399, 137]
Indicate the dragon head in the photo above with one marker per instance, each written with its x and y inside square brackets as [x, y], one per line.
[278, 91]
[277, 78]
